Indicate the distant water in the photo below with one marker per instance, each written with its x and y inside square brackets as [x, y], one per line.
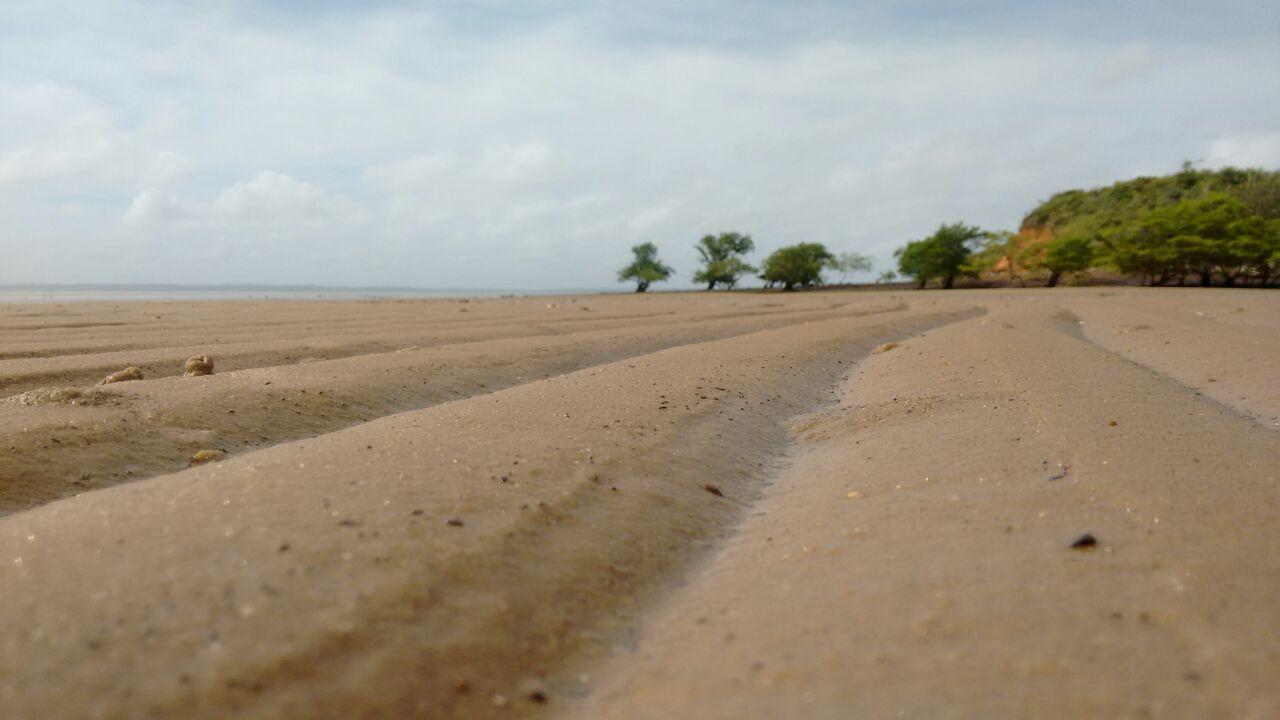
[96, 293]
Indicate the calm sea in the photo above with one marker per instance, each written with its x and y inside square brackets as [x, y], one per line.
[98, 294]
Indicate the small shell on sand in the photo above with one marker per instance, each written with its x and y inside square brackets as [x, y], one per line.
[125, 375]
[199, 365]
[203, 456]
[886, 347]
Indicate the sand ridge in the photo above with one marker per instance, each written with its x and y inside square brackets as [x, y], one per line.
[139, 429]
[474, 535]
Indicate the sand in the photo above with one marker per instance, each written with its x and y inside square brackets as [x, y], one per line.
[674, 505]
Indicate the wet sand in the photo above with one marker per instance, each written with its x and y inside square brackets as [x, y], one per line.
[675, 505]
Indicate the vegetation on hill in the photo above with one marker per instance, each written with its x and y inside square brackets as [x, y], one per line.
[1206, 225]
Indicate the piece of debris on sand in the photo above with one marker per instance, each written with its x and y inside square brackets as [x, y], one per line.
[125, 375]
[1085, 542]
[885, 347]
[204, 456]
[713, 490]
[199, 365]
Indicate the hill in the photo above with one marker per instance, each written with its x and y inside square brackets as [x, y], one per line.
[1216, 224]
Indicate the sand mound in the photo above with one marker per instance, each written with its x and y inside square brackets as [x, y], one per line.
[126, 375]
[199, 365]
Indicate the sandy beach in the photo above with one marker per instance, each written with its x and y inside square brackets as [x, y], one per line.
[1014, 503]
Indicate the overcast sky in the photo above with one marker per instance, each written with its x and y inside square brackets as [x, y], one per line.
[528, 145]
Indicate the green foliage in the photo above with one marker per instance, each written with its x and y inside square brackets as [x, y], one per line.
[646, 268]
[1260, 193]
[1215, 232]
[1204, 224]
[722, 259]
[1129, 199]
[796, 265]
[988, 251]
[1067, 253]
[943, 254]
[850, 262]
[887, 276]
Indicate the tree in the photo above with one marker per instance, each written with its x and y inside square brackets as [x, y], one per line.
[914, 261]
[794, 265]
[1066, 254]
[850, 262]
[1260, 193]
[887, 276]
[722, 259]
[646, 268]
[1266, 257]
[941, 255]
[726, 272]
[1270, 262]
[1199, 235]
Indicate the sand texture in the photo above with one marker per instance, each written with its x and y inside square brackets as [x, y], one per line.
[820, 505]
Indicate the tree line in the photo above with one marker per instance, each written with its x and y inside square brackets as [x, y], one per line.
[1199, 226]
[1207, 227]
[724, 262]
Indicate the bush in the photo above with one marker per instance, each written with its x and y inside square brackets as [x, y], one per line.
[941, 255]
[796, 265]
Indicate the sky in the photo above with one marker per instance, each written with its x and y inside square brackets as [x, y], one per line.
[528, 145]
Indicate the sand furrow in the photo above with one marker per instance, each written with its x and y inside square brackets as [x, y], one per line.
[915, 558]
[443, 562]
[1214, 345]
[128, 431]
[253, 345]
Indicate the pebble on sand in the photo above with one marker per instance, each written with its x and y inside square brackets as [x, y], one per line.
[125, 375]
[199, 365]
[534, 690]
[204, 456]
[1085, 542]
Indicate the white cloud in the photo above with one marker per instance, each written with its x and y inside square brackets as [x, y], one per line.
[495, 190]
[1256, 150]
[276, 198]
[264, 209]
[167, 168]
[649, 218]
[153, 206]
